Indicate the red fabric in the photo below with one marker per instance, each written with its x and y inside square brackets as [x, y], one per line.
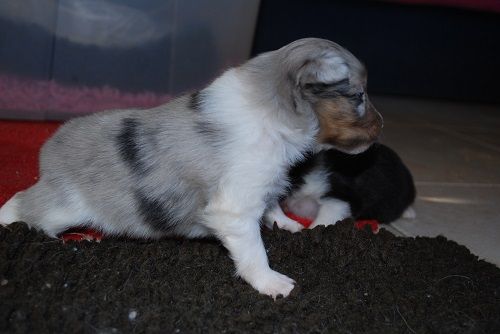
[306, 222]
[360, 225]
[81, 234]
[20, 144]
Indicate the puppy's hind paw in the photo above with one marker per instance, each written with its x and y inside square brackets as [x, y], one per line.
[9, 211]
[289, 225]
[274, 284]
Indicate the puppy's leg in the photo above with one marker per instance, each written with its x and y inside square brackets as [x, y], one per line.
[276, 215]
[240, 234]
[331, 211]
[9, 212]
[46, 207]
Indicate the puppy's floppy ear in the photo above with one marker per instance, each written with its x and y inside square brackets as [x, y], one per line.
[324, 77]
[325, 69]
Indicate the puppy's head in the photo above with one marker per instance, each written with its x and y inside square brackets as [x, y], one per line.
[330, 80]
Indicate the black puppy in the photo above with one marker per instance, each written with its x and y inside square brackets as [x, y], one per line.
[331, 185]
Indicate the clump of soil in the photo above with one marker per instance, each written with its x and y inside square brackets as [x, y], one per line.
[347, 281]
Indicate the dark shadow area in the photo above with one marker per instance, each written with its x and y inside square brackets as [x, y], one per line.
[423, 51]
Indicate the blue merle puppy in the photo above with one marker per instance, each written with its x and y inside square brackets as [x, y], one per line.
[206, 164]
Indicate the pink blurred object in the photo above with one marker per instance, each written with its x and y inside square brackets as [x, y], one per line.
[486, 5]
[22, 94]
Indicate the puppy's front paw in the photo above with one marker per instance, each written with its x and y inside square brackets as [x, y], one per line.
[273, 284]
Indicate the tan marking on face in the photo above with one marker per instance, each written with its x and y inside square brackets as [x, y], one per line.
[343, 128]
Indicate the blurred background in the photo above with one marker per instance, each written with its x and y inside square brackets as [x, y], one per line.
[427, 48]
[59, 58]
[434, 71]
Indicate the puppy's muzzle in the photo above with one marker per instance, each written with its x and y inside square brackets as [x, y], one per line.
[346, 131]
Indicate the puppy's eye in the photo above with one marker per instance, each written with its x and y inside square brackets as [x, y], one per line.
[356, 98]
[326, 90]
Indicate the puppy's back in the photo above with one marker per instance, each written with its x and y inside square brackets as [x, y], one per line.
[142, 171]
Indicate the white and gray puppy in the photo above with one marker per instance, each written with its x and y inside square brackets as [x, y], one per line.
[206, 164]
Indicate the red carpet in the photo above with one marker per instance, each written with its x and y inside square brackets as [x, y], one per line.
[20, 143]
